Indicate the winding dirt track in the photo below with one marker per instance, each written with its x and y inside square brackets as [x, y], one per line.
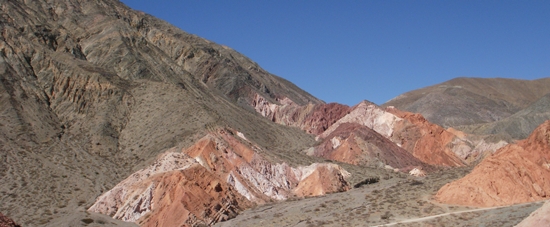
[450, 213]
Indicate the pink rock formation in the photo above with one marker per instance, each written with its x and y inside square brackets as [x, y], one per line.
[314, 119]
[427, 142]
[516, 173]
[359, 145]
[539, 217]
[212, 181]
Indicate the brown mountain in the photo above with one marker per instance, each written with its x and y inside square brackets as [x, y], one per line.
[92, 91]
[516, 173]
[517, 126]
[469, 101]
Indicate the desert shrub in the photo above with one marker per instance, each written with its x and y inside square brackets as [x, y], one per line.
[87, 220]
[370, 180]
[386, 215]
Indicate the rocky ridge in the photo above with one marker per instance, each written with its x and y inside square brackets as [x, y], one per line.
[213, 181]
[371, 135]
[91, 92]
[516, 173]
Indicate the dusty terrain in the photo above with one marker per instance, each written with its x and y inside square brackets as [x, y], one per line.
[395, 198]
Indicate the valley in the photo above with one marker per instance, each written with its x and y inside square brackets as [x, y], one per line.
[112, 117]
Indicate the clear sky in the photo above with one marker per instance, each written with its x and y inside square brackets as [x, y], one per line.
[348, 51]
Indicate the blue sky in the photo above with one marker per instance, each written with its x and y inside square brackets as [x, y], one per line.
[348, 51]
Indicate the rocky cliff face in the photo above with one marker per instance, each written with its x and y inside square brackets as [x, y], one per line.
[213, 180]
[515, 173]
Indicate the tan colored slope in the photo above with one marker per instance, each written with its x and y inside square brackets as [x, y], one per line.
[515, 173]
[211, 181]
[92, 91]
[465, 101]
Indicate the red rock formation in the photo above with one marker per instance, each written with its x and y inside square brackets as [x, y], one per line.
[359, 145]
[212, 181]
[426, 141]
[515, 173]
[313, 118]
[7, 222]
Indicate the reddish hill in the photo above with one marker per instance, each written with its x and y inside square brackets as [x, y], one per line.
[359, 145]
[515, 173]
[426, 141]
[211, 181]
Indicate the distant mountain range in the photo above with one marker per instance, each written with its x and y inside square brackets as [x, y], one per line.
[509, 108]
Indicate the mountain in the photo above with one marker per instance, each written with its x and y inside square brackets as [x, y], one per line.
[516, 173]
[92, 91]
[518, 125]
[478, 101]
[212, 181]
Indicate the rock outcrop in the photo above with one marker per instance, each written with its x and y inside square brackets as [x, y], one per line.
[312, 118]
[516, 173]
[427, 142]
[540, 217]
[7, 222]
[212, 181]
[360, 145]
[348, 135]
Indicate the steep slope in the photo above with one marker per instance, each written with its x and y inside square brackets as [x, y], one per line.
[212, 181]
[92, 91]
[466, 101]
[359, 145]
[515, 173]
[427, 142]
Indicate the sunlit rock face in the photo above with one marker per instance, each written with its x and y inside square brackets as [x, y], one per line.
[515, 173]
[539, 217]
[211, 181]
